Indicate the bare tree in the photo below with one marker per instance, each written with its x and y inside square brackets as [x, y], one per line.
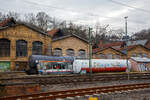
[79, 30]
[2, 16]
[15, 15]
[63, 24]
[143, 34]
[30, 18]
[116, 34]
[100, 32]
[43, 20]
[57, 23]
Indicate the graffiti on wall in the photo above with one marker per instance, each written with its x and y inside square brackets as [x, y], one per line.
[4, 66]
[143, 67]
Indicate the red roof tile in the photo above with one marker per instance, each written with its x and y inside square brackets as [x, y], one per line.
[118, 49]
[110, 44]
[129, 47]
[98, 49]
[52, 32]
[95, 50]
[5, 22]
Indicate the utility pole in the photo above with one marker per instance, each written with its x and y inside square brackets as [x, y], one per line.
[90, 51]
[126, 46]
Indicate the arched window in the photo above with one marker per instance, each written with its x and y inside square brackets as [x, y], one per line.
[70, 52]
[81, 53]
[145, 55]
[21, 48]
[133, 55]
[117, 56]
[109, 56]
[57, 52]
[139, 55]
[102, 56]
[4, 48]
[37, 48]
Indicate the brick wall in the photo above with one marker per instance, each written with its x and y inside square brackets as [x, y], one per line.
[139, 49]
[12, 90]
[108, 51]
[21, 32]
[71, 43]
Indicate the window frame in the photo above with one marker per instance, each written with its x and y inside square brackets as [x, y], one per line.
[5, 47]
[21, 48]
[81, 53]
[70, 52]
[37, 48]
[57, 52]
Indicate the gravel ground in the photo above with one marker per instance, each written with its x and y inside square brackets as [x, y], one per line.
[68, 86]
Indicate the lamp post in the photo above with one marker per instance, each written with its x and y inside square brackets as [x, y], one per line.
[90, 51]
[126, 46]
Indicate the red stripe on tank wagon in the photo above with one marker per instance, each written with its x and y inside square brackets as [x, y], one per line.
[108, 69]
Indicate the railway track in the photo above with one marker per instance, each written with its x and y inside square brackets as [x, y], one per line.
[43, 80]
[78, 92]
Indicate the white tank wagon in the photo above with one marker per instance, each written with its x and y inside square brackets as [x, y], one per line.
[101, 65]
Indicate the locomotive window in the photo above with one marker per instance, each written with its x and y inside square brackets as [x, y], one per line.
[49, 66]
[55, 65]
[59, 65]
[4, 48]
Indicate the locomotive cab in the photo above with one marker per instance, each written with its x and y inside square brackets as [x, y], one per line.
[48, 64]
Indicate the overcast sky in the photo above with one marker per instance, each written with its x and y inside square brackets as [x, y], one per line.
[105, 12]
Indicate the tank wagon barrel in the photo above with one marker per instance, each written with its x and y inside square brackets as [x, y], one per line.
[69, 64]
[101, 65]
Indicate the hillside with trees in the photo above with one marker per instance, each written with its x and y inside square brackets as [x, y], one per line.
[45, 22]
[143, 34]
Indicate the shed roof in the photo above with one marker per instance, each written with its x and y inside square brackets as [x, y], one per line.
[6, 21]
[11, 22]
[137, 42]
[112, 44]
[27, 25]
[52, 32]
[141, 59]
[99, 50]
[70, 35]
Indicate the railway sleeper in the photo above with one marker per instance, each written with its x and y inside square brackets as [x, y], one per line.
[62, 96]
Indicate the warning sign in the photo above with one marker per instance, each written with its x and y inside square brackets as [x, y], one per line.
[93, 98]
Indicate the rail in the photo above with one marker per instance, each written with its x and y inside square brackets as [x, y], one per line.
[78, 92]
[73, 79]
